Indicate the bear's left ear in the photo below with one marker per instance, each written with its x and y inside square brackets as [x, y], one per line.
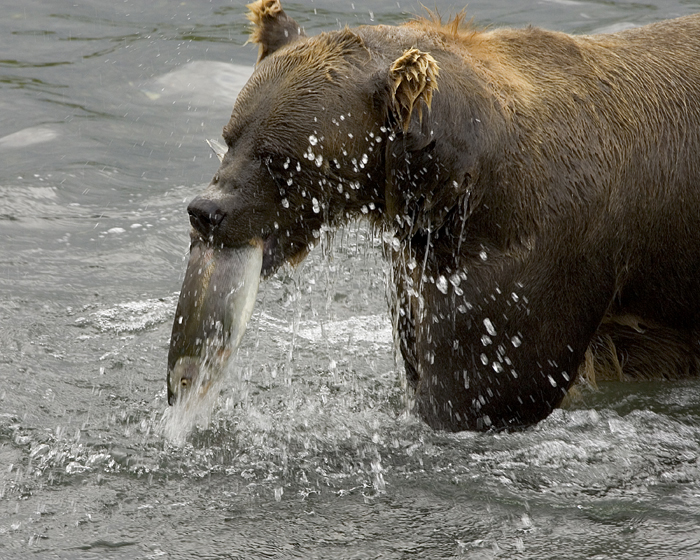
[273, 27]
[413, 79]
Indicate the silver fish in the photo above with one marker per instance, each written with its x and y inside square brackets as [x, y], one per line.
[215, 305]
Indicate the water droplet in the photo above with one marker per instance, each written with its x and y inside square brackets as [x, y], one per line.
[285, 203]
[484, 359]
[316, 206]
[497, 367]
[551, 380]
[486, 340]
[442, 284]
[516, 341]
[379, 484]
[313, 140]
[483, 255]
[489, 327]
[319, 160]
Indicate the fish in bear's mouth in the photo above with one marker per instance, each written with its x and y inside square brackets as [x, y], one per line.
[215, 305]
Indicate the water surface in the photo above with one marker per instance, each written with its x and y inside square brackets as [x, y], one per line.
[310, 452]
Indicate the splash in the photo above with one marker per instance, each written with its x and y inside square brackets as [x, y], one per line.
[194, 409]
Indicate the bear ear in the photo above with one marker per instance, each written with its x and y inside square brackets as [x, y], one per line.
[273, 28]
[413, 78]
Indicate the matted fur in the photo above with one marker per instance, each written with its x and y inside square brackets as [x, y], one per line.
[544, 210]
[272, 28]
[414, 77]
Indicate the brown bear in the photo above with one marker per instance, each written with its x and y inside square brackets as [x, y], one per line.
[541, 191]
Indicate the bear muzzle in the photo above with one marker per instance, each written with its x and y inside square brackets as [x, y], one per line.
[205, 215]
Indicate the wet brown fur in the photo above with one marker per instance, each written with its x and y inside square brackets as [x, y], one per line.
[623, 349]
[272, 28]
[571, 162]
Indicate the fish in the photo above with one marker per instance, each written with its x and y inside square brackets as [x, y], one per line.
[215, 304]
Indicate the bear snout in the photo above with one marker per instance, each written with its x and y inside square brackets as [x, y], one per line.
[205, 215]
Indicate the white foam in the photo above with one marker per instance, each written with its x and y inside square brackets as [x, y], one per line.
[364, 328]
[200, 83]
[132, 316]
[28, 137]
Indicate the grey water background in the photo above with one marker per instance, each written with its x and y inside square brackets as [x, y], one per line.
[104, 110]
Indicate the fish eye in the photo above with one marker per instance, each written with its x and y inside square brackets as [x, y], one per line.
[184, 382]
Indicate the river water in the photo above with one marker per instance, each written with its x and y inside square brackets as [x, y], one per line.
[105, 107]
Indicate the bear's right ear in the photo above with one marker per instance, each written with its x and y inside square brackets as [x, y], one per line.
[413, 80]
[273, 27]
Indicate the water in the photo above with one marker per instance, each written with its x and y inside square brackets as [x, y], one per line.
[105, 108]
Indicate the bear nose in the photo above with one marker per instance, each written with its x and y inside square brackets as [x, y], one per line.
[205, 215]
